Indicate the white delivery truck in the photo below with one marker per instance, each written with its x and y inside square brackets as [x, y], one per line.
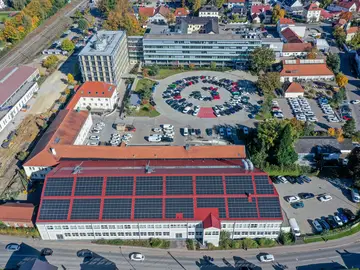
[294, 227]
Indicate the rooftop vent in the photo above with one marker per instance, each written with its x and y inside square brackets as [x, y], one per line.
[187, 147]
[148, 168]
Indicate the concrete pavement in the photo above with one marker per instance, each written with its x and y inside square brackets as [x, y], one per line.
[345, 252]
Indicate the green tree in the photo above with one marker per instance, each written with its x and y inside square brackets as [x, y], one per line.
[325, 3]
[153, 70]
[340, 35]
[213, 65]
[224, 240]
[249, 243]
[354, 165]
[196, 5]
[333, 62]
[50, 61]
[261, 59]
[309, 128]
[78, 15]
[67, 45]
[18, 4]
[285, 153]
[349, 128]
[219, 3]
[83, 24]
[268, 82]
[355, 41]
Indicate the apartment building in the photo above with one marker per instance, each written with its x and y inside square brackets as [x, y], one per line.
[199, 49]
[312, 13]
[135, 49]
[163, 198]
[17, 86]
[105, 58]
[209, 11]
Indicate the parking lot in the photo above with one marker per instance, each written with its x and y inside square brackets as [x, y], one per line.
[314, 208]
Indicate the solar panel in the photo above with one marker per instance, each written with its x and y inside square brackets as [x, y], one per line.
[179, 185]
[209, 185]
[148, 208]
[242, 208]
[183, 206]
[85, 209]
[149, 185]
[239, 184]
[262, 185]
[89, 186]
[119, 185]
[59, 186]
[269, 208]
[117, 209]
[54, 209]
[218, 203]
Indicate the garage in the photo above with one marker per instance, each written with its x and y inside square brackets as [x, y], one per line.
[294, 90]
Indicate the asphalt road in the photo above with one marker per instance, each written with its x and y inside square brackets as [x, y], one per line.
[343, 252]
[35, 42]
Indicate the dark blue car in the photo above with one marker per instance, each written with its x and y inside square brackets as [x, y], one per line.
[343, 218]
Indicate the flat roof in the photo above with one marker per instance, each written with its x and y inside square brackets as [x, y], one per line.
[105, 191]
[195, 36]
[104, 43]
[16, 212]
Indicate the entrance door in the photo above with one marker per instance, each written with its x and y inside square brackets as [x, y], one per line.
[178, 235]
[60, 237]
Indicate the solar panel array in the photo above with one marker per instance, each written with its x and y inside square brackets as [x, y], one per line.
[242, 208]
[59, 186]
[117, 209]
[149, 185]
[86, 209]
[179, 206]
[89, 186]
[209, 185]
[179, 185]
[119, 185]
[269, 207]
[218, 203]
[239, 184]
[148, 208]
[263, 186]
[54, 209]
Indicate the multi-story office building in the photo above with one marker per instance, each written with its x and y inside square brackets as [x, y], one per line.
[105, 57]
[135, 49]
[163, 198]
[199, 49]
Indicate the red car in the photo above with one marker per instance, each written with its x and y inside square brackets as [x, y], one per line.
[347, 118]
[177, 97]
[216, 97]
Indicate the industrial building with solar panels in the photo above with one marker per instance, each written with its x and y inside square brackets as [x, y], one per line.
[195, 192]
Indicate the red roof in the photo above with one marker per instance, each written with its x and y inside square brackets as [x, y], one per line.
[286, 21]
[352, 30]
[290, 36]
[211, 222]
[181, 12]
[11, 78]
[346, 4]
[146, 11]
[297, 47]
[260, 9]
[164, 11]
[16, 212]
[313, 7]
[300, 69]
[236, 1]
[295, 88]
[326, 14]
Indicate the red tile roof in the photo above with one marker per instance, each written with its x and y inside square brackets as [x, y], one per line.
[326, 14]
[286, 21]
[17, 212]
[297, 47]
[146, 11]
[181, 12]
[164, 11]
[295, 88]
[211, 222]
[346, 4]
[11, 78]
[313, 7]
[290, 36]
[260, 9]
[300, 69]
[352, 30]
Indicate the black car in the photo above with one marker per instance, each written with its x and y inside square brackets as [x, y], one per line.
[192, 131]
[331, 221]
[291, 179]
[167, 139]
[306, 195]
[198, 131]
[46, 252]
[349, 214]
[84, 253]
[190, 104]
[209, 131]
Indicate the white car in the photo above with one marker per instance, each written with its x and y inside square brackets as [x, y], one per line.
[325, 198]
[278, 115]
[93, 137]
[195, 113]
[137, 257]
[95, 131]
[157, 129]
[186, 132]
[312, 119]
[12, 247]
[292, 199]
[338, 220]
[356, 101]
[102, 124]
[92, 143]
[186, 110]
[196, 108]
[282, 179]
[267, 258]
[128, 135]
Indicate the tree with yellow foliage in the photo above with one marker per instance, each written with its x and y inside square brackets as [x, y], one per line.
[70, 79]
[331, 132]
[278, 13]
[341, 80]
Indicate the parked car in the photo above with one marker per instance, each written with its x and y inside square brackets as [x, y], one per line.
[297, 205]
[282, 179]
[84, 253]
[323, 223]
[12, 247]
[292, 199]
[186, 132]
[330, 220]
[94, 137]
[317, 226]
[267, 258]
[325, 198]
[137, 257]
[355, 195]
[349, 214]
[46, 252]
[343, 217]
[222, 132]
[306, 195]
[209, 131]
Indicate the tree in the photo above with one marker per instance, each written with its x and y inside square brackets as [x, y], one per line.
[355, 41]
[312, 53]
[333, 62]
[325, 3]
[83, 24]
[349, 128]
[354, 165]
[50, 61]
[340, 35]
[183, 3]
[278, 13]
[261, 59]
[70, 79]
[213, 65]
[285, 153]
[331, 132]
[346, 16]
[18, 4]
[341, 80]
[191, 66]
[170, 17]
[196, 5]
[67, 45]
[268, 82]
[339, 134]
[219, 3]
[78, 15]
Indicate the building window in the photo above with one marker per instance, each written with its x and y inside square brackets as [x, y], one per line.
[88, 227]
[65, 227]
[128, 234]
[113, 234]
[253, 226]
[158, 233]
[57, 227]
[142, 226]
[67, 234]
[143, 233]
[135, 233]
[104, 227]
[127, 226]
[223, 226]
[112, 227]
[260, 233]
[150, 226]
[81, 227]
[135, 226]
[75, 234]
[198, 233]
[49, 227]
[120, 234]
[96, 227]
[82, 234]
[252, 233]
[166, 234]
[215, 233]
[119, 226]
[150, 233]
[90, 234]
[105, 234]
[97, 234]
[191, 233]
[207, 233]
[158, 226]
[244, 233]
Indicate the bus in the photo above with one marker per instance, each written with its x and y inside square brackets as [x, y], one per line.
[294, 227]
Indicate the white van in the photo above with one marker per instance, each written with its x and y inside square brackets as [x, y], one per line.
[355, 195]
[154, 138]
[294, 227]
[186, 132]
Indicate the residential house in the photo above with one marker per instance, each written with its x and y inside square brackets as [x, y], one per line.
[294, 90]
[17, 214]
[202, 25]
[254, 3]
[289, 36]
[235, 3]
[351, 32]
[294, 7]
[296, 49]
[312, 13]
[181, 12]
[347, 6]
[239, 12]
[209, 11]
[258, 12]
[284, 23]
[305, 70]
[326, 148]
[255, 18]
[267, 16]
[329, 15]
[155, 15]
[146, 12]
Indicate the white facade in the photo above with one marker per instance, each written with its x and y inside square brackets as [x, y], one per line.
[312, 15]
[36, 172]
[208, 13]
[157, 18]
[294, 54]
[294, 94]
[211, 235]
[97, 103]
[163, 230]
[307, 78]
[84, 131]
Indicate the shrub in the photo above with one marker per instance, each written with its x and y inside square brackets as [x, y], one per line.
[22, 155]
[155, 242]
[50, 61]
[249, 243]
[197, 246]
[236, 244]
[190, 244]
[266, 242]
[210, 246]
[286, 238]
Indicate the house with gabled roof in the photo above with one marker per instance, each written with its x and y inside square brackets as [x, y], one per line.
[294, 7]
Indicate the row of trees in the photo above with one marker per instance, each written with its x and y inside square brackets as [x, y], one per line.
[29, 18]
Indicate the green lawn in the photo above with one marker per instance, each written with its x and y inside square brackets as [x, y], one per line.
[164, 72]
[4, 15]
[144, 83]
[146, 111]
[333, 236]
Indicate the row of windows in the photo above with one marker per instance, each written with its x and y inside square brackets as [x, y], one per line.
[253, 225]
[212, 233]
[110, 227]
[257, 233]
